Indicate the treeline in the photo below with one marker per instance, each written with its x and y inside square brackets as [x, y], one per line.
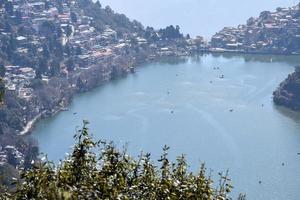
[106, 16]
[113, 174]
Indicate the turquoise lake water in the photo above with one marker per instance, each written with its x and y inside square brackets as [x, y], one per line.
[185, 104]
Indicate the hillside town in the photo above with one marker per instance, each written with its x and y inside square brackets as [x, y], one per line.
[272, 32]
[92, 47]
[51, 50]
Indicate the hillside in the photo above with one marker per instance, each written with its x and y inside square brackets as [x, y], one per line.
[51, 50]
[275, 32]
[288, 93]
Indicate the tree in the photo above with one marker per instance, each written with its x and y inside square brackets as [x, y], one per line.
[113, 174]
[58, 31]
[54, 67]
[108, 9]
[78, 50]
[2, 70]
[2, 90]
[98, 4]
[80, 85]
[38, 73]
[73, 17]
[46, 53]
[170, 32]
[70, 64]
[47, 5]
[68, 50]
[7, 27]
[188, 36]
[68, 30]
[42, 65]
[59, 51]
[18, 17]
[9, 8]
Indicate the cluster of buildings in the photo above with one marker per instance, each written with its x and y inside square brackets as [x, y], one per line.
[18, 79]
[271, 32]
[11, 154]
[96, 48]
[36, 12]
[267, 33]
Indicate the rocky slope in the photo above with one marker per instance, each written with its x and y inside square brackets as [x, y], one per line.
[288, 93]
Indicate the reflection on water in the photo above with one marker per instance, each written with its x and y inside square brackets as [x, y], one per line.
[268, 58]
[295, 116]
[208, 107]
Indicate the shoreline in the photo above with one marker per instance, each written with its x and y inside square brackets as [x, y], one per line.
[31, 124]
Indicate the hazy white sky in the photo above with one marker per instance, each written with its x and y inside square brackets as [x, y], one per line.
[204, 17]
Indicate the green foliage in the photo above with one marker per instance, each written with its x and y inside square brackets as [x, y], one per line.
[68, 31]
[106, 16]
[113, 174]
[2, 90]
[170, 32]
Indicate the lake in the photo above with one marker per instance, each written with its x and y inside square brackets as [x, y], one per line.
[197, 17]
[228, 123]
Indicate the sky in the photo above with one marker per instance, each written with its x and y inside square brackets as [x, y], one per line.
[197, 17]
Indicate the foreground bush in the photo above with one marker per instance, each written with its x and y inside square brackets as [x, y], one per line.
[113, 174]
